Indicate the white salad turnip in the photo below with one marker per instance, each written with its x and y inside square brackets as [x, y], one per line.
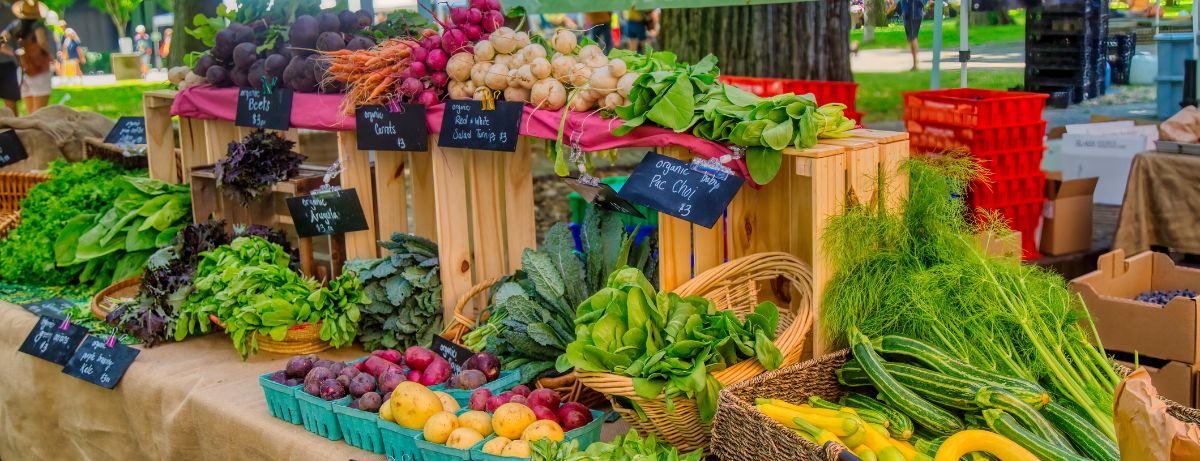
[484, 51]
[459, 66]
[497, 77]
[504, 40]
[517, 94]
[625, 83]
[548, 94]
[561, 67]
[617, 68]
[540, 68]
[564, 41]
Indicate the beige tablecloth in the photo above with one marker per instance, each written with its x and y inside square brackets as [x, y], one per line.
[191, 400]
[1162, 204]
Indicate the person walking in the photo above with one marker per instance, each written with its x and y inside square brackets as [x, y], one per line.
[72, 55]
[10, 82]
[912, 12]
[599, 24]
[33, 53]
[634, 29]
[164, 48]
[143, 47]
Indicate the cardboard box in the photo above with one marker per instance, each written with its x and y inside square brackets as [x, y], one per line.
[1174, 380]
[1169, 332]
[1008, 246]
[1102, 155]
[1067, 214]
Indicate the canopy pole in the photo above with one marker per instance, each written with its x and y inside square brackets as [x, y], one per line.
[935, 74]
[964, 48]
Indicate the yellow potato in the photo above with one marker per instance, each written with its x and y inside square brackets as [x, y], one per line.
[464, 438]
[413, 404]
[516, 449]
[439, 426]
[480, 421]
[496, 445]
[511, 419]
[544, 429]
[448, 402]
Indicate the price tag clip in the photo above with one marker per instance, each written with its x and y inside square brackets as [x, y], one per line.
[66, 323]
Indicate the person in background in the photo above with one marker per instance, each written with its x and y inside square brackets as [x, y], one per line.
[634, 29]
[10, 84]
[911, 12]
[33, 53]
[164, 48]
[599, 26]
[143, 47]
[72, 55]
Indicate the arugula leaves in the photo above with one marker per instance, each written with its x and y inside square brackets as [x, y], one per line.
[667, 343]
[405, 292]
[630, 446]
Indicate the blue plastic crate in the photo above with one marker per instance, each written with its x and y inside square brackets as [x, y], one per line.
[359, 428]
[281, 399]
[506, 381]
[399, 443]
[1170, 94]
[317, 415]
[1173, 49]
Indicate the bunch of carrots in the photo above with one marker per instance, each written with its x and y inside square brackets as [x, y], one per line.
[371, 76]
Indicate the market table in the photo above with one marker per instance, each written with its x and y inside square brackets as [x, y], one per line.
[1162, 204]
[188, 400]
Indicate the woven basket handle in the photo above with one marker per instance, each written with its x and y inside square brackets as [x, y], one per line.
[460, 324]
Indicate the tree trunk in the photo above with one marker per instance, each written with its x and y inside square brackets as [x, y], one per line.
[182, 42]
[121, 33]
[805, 40]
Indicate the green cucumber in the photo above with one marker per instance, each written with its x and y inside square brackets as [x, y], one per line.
[1004, 424]
[851, 374]
[996, 398]
[1089, 440]
[920, 410]
[975, 421]
[899, 426]
[930, 446]
[936, 387]
[934, 358]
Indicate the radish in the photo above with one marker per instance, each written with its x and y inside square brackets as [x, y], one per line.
[419, 54]
[473, 32]
[411, 87]
[427, 97]
[459, 15]
[478, 4]
[474, 16]
[493, 5]
[453, 40]
[492, 20]
[439, 79]
[437, 60]
[416, 69]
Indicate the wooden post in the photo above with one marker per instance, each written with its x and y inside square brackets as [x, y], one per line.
[423, 203]
[217, 136]
[356, 174]
[160, 136]
[520, 223]
[193, 149]
[391, 193]
[452, 216]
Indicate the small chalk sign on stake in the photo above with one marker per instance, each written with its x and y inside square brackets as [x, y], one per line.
[259, 109]
[677, 188]
[101, 361]
[603, 196]
[466, 125]
[53, 339]
[401, 127]
[11, 148]
[326, 213]
[127, 131]
[51, 307]
[453, 353]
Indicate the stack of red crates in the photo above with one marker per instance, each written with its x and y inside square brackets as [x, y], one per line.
[825, 92]
[1005, 130]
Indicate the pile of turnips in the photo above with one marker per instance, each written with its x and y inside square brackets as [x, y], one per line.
[581, 78]
[246, 56]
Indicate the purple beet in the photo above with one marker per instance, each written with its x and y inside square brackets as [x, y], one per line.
[318, 374]
[298, 367]
[389, 379]
[279, 377]
[312, 388]
[361, 384]
[370, 401]
[331, 389]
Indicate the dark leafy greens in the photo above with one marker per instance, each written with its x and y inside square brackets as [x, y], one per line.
[405, 292]
[256, 163]
[630, 446]
[667, 344]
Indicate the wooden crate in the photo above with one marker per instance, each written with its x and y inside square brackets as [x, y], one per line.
[791, 212]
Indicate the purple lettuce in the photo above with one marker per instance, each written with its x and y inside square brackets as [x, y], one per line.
[256, 163]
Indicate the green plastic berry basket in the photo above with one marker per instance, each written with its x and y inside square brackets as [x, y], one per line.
[506, 381]
[438, 452]
[317, 415]
[359, 428]
[399, 443]
[477, 453]
[281, 399]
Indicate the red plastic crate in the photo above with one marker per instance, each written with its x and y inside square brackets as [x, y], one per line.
[1002, 193]
[1024, 217]
[1012, 164]
[825, 92]
[974, 108]
[934, 137]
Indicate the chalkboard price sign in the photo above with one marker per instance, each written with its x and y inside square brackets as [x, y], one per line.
[453, 353]
[256, 109]
[673, 187]
[603, 196]
[128, 130]
[380, 128]
[99, 363]
[326, 213]
[11, 149]
[465, 124]
[50, 342]
[52, 307]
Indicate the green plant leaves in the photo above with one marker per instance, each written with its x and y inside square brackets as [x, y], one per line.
[763, 163]
[403, 290]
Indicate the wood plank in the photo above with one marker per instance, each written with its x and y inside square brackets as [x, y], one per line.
[217, 136]
[205, 197]
[454, 235]
[155, 99]
[486, 194]
[160, 141]
[708, 246]
[892, 156]
[519, 221]
[356, 174]
[825, 193]
[424, 207]
[862, 174]
[737, 237]
[674, 251]
[193, 150]
[391, 195]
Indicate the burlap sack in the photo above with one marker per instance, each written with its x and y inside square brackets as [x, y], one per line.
[1183, 127]
[53, 132]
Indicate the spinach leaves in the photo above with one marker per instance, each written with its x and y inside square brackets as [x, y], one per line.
[668, 344]
[405, 291]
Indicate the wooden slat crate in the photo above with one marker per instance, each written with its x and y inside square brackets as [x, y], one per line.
[790, 213]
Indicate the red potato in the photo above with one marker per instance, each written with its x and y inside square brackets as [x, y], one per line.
[390, 355]
[544, 413]
[436, 373]
[545, 398]
[376, 365]
[479, 399]
[417, 358]
[573, 415]
[519, 399]
[520, 389]
[496, 401]
[414, 375]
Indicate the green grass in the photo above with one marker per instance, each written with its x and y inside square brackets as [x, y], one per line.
[111, 100]
[892, 36]
[879, 94]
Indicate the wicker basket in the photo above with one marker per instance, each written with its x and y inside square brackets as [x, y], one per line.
[568, 386]
[102, 303]
[97, 148]
[300, 339]
[740, 431]
[737, 285]
[14, 186]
